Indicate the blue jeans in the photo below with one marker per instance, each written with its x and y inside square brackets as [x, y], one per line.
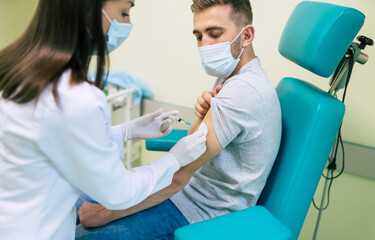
[156, 223]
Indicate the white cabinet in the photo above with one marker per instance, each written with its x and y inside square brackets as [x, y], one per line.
[123, 110]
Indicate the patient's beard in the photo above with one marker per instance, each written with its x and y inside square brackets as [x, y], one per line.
[236, 48]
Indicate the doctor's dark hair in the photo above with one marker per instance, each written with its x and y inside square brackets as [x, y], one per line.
[62, 35]
[242, 13]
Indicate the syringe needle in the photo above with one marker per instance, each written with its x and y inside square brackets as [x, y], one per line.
[182, 121]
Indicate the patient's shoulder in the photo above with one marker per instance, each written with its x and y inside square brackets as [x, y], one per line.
[238, 94]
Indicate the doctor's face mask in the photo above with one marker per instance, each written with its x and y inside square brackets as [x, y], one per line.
[117, 33]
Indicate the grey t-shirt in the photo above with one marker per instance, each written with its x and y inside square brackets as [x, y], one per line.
[247, 120]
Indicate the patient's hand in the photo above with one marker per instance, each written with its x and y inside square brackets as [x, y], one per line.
[204, 102]
[94, 215]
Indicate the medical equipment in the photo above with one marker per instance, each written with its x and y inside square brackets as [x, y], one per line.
[125, 80]
[123, 110]
[340, 80]
[341, 77]
[182, 121]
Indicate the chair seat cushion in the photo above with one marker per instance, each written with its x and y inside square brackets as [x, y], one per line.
[252, 223]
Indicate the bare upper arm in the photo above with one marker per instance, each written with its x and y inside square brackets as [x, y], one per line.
[213, 146]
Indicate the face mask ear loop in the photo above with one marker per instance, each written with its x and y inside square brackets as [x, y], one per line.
[237, 36]
[106, 15]
[235, 40]
[240, 53]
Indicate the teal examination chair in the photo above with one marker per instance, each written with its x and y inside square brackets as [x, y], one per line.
[316, 37]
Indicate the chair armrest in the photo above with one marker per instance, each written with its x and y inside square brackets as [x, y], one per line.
[167, 142]
[252, 223]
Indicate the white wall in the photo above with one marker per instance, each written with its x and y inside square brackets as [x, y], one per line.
[14, 18]
[162, 49]
[351, 212]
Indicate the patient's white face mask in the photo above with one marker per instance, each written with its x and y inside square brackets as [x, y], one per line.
[217, 59]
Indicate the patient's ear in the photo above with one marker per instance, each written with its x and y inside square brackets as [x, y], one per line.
[248, 38]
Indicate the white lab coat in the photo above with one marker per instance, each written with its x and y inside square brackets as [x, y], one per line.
[48, 155]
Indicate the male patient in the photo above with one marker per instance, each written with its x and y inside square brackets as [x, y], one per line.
[244, 130]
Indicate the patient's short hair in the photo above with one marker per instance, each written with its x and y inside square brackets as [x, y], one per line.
[241, 9]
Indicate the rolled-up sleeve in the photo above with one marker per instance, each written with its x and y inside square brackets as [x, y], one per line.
[236, 112]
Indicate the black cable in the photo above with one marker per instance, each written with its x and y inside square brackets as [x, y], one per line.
[339, 138]
[332, 163]
[328, 192]
[343, 159]
[332, 159]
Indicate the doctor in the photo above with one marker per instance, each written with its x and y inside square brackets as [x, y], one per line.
[55, 134]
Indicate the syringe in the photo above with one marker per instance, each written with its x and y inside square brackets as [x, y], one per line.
[182, 121]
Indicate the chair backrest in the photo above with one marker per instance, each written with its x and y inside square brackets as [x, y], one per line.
[316, 37]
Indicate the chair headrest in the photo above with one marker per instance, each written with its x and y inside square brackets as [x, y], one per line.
[317, 35]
